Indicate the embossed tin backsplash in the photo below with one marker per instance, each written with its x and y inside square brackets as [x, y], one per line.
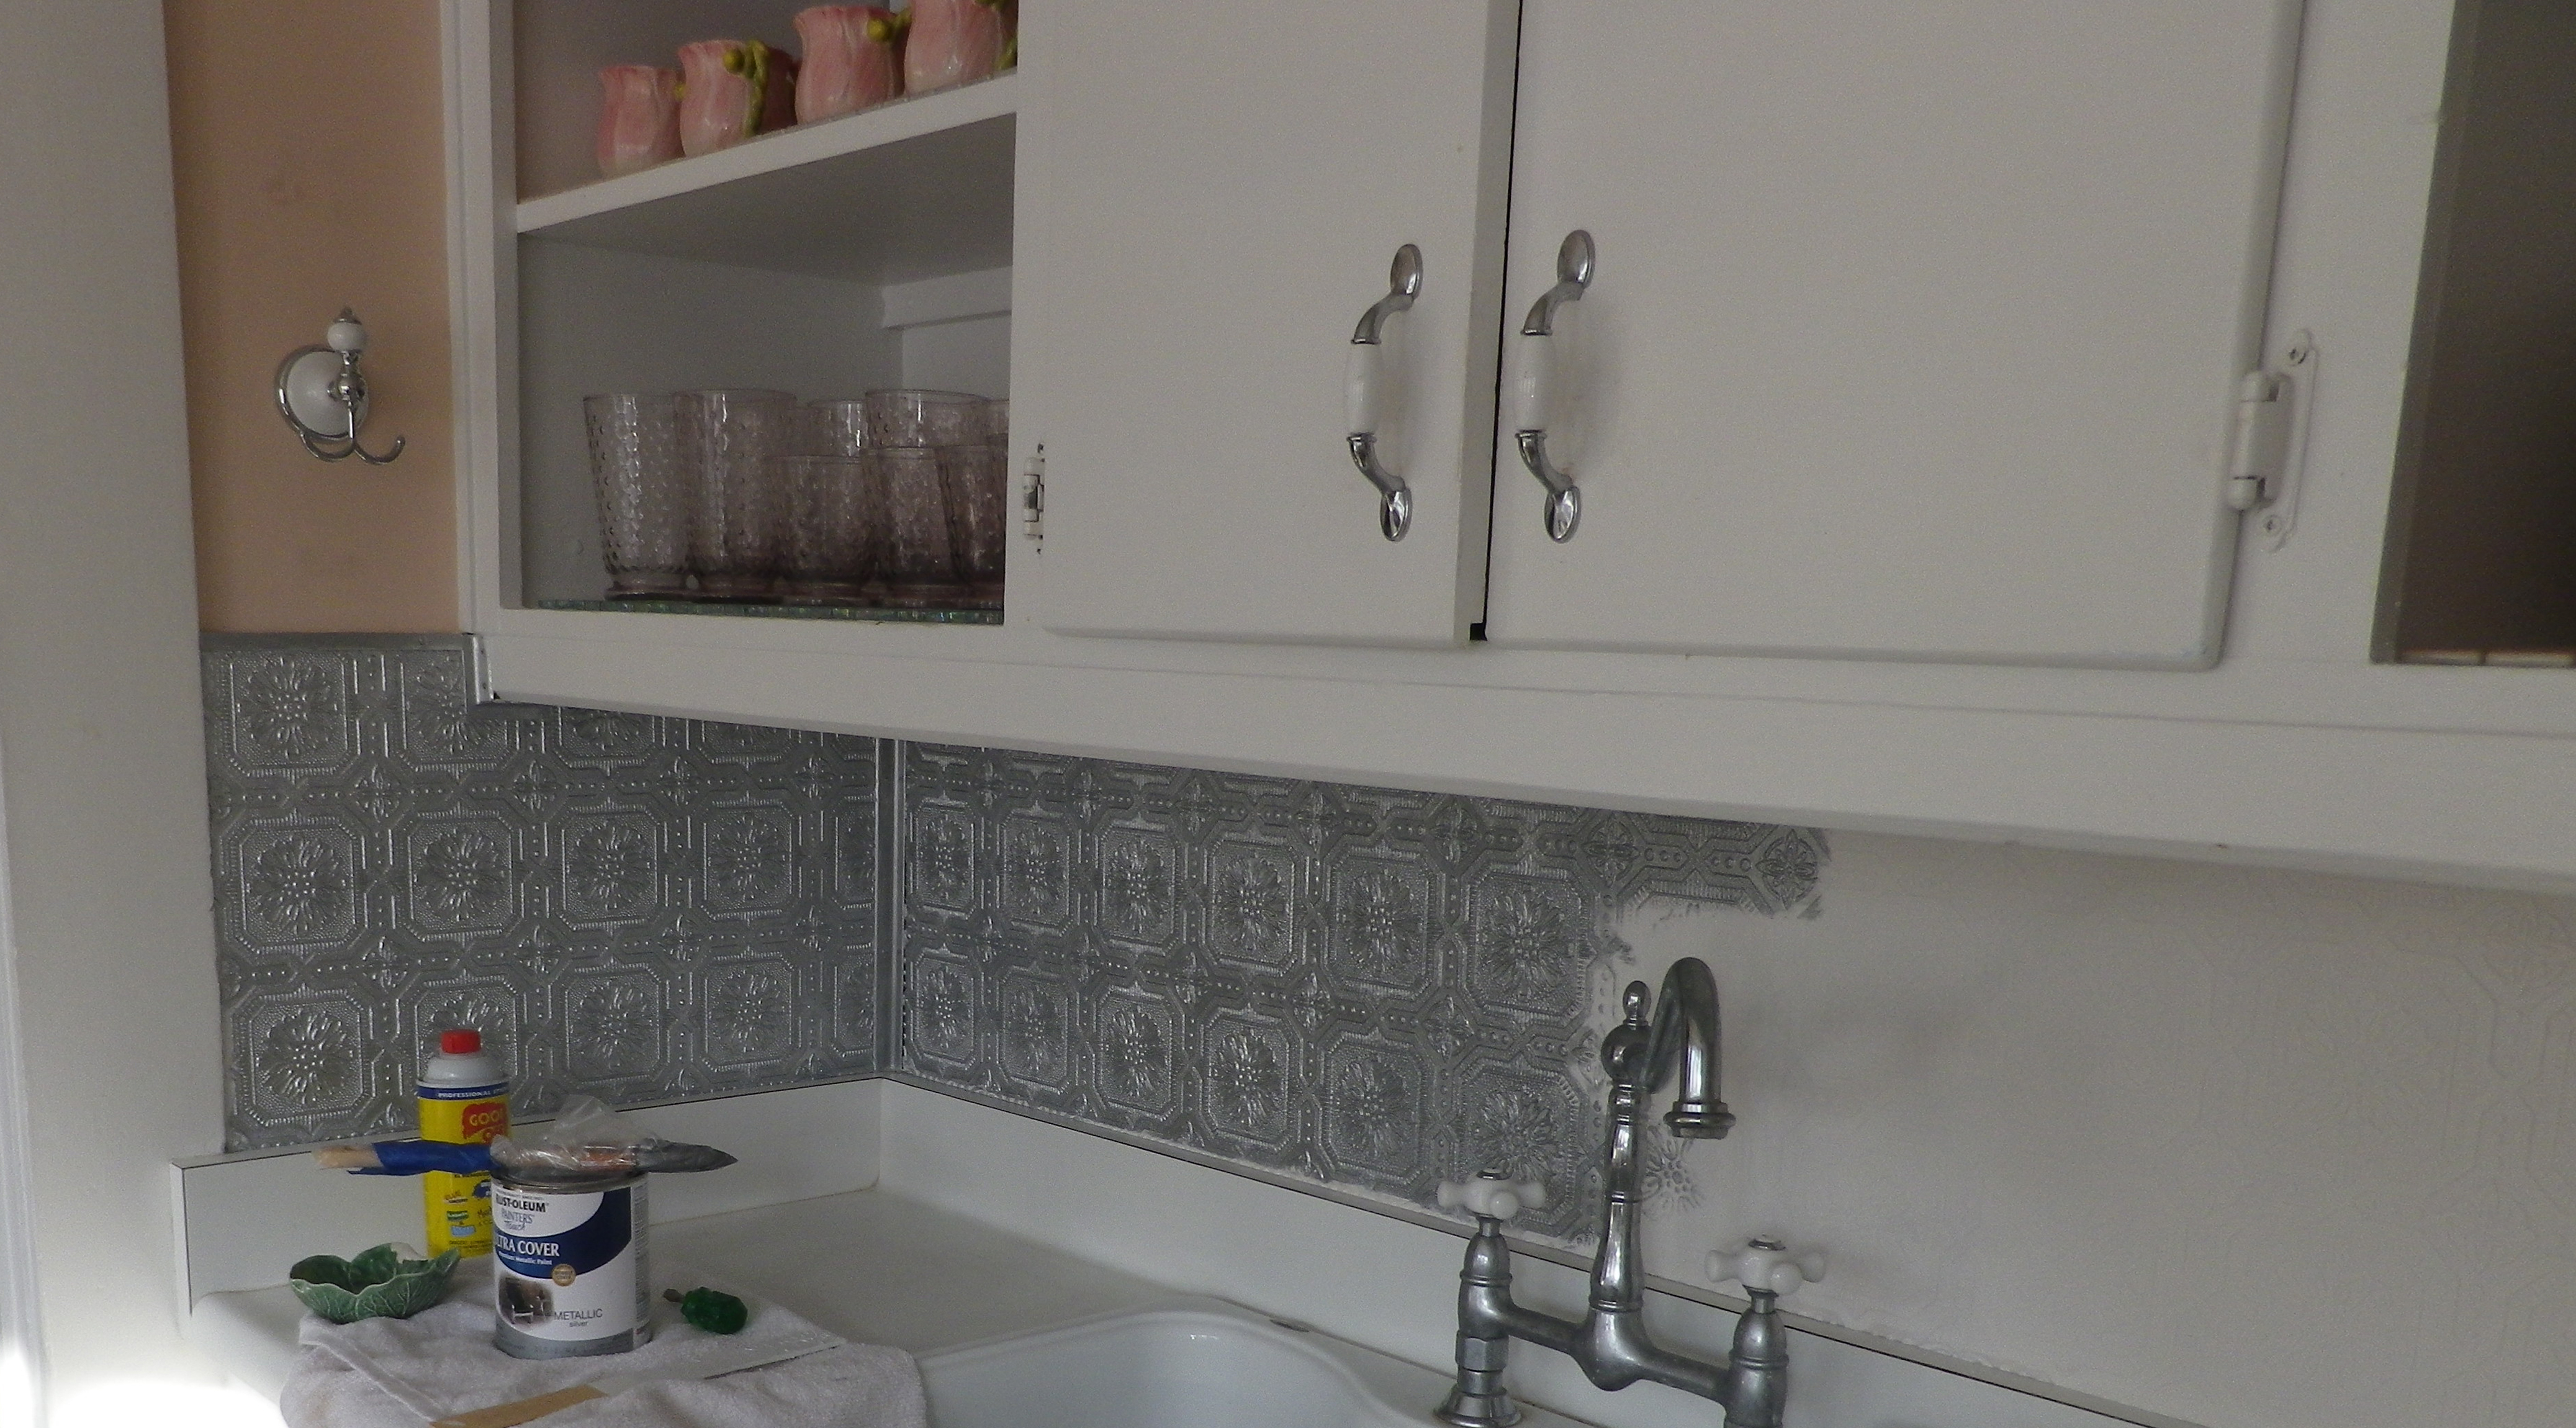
[642, 908]
[1369, 988]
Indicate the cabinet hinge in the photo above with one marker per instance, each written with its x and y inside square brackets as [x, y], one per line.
[478, 671]
[2270, 441]
[1033, 496]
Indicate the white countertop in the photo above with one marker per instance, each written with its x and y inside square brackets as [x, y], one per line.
[981, 1224]
[869, 1265]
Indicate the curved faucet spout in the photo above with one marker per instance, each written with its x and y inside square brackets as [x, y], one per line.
[1675, 1032]
[1686, 1032]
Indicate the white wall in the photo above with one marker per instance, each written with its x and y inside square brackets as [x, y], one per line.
[972, 355]
[2253, 1149]
[99, 722]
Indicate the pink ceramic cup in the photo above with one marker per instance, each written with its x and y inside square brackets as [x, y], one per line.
[850, 62]
[736, 88]
[639, 118]
[954, 42]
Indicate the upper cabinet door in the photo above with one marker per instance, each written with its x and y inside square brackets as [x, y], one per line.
[1914, 330]
[1211, 195]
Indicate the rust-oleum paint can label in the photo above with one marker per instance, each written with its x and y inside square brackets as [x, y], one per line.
[569, 1273]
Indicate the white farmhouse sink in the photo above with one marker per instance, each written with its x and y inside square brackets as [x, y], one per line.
[1191, 1363]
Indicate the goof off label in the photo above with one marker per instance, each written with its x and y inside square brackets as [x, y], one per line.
[458, 1206]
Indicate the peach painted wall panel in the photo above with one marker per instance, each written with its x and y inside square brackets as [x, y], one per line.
[310, 172]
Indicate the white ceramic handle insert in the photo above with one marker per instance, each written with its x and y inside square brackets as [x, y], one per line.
[1533, 384]
[1492, 1199]
[1767, 1264]
[1363, 403]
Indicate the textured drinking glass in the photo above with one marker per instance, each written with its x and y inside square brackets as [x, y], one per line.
[920, 569]
[739, 515]
[955, 42]
[997, 421]
[851, 60]
[837, 428]
[837, 528]
[643, 493]
[919, 418]
[639, 118]
[972, 479]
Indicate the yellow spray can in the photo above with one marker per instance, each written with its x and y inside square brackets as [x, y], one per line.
[464, 1100]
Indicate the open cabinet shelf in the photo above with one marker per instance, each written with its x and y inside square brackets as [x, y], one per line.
[830, 259]
[775, 612]
[914, 189]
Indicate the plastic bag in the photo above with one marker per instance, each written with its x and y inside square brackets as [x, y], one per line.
[587, 1140]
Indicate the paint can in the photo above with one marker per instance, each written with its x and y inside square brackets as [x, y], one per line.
[569, 1273]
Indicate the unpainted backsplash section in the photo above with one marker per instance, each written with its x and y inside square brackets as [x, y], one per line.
[1364, 987]
[641, 908]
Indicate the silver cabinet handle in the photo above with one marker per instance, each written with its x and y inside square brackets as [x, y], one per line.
[1364, 392]
[1534, 384]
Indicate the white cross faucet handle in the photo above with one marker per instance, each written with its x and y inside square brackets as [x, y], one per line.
[1492, 1196]
[1766, 1264]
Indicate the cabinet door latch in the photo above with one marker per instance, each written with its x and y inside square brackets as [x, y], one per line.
[2270, 442]
[1033, 496]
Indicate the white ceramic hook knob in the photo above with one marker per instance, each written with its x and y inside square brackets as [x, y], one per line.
[1491, 1197]
[346, 334]
[1766, 1263]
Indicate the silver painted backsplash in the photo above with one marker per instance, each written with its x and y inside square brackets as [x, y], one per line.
[1369, 988]
[642, 908]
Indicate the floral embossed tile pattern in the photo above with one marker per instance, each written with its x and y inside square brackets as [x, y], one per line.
[640, 908]
[1370, 988]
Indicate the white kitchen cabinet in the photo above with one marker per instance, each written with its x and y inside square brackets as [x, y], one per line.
[1915, 330]
[1196, 203]
[1216, 195]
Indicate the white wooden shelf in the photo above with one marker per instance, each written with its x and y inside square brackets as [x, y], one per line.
[915, 189]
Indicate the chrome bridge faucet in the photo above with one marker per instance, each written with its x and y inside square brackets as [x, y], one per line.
[1610, 1344]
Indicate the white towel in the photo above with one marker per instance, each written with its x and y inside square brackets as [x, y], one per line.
[397, 1373]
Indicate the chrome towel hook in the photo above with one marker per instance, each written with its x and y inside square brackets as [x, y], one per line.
[323, 395]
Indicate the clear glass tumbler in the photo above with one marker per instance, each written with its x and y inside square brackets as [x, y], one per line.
[740, 531]
[643, 493]
[920, 569]
[974, 479]
[837, 531]
[922, 418]
[837, 427]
